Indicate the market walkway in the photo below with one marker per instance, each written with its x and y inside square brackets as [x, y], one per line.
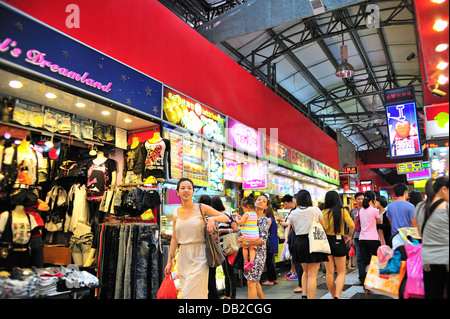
[284, 289]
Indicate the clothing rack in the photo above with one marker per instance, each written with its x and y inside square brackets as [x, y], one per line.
[127, 220]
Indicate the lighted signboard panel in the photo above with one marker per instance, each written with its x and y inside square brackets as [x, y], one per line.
[255, 175]
[404, 139]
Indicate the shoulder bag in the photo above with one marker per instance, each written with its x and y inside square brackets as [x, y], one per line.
[214, 254]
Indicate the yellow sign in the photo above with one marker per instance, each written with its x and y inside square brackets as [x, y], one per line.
[409, 167]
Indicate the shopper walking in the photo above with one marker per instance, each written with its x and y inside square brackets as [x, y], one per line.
[188, 234]
[272, 249]
[300, 220]
[433, 221]
[253, 275]
[415, 197]
[354, 213]
[401, 212]
[224, 229]
[384, 229]
[368, 238]
[335, 217]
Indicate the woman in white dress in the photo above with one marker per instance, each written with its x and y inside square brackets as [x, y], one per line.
[188, 235]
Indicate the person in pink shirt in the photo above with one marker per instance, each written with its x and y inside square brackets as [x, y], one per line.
[369, 241]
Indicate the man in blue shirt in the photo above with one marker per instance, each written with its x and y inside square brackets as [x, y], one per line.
[401, 212]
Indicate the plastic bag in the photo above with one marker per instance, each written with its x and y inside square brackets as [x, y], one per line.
[167, 289]
[384, 254]
[393, 265]
[285, 253]
[414, 282]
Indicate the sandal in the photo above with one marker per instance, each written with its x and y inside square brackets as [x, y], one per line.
[298, 290]
[267, 283]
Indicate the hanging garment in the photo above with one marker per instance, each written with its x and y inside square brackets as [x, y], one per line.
[99, 178]
[78, 209]
[157, 159]
[56, 199]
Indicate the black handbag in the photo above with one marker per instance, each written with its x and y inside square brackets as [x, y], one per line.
[6, 239]
[214, 253]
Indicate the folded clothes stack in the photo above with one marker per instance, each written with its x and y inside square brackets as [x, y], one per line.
[22, 283]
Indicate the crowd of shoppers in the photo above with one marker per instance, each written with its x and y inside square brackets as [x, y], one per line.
[369, 225]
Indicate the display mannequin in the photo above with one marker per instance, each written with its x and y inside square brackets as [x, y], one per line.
[157, 159]
[80, 255]
[101, 175]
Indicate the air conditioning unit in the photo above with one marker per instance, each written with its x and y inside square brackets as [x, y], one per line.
[317, 6]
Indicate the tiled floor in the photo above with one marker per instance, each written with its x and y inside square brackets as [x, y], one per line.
[284, 289]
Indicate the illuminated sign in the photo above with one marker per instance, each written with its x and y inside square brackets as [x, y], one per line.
[409, 167]
[436, 120]
[425, 174]
[349, 170]
[255, 175]
[365, 186]
[183, 111]
[403, 130]
[244, 137]
[399, 95]
[232, 171]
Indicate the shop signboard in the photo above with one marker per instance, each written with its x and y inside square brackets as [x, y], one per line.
[424, 174]
[403, 130]
[409, 167]
[280, 185]
[243, 137]
[436, 121]
[349, 170]
[255, 175]
[399, 95]
[184, 111]
[277, 151]
[365, 186]
[438, 161]
[44, 51]
[301, 162]
[325, 172]
[232, 171]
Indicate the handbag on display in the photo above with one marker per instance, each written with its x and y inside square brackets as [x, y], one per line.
[318, 241]
[213, 251]
[230, 244]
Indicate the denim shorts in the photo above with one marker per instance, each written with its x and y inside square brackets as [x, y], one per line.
[81, 244]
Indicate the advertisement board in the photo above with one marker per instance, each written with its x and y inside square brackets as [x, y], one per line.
[255, 175]
[436, 121]
[184, 111]
[404, 139]
[244, 137]
[232, 171]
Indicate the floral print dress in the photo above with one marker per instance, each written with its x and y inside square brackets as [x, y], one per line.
[260, 258]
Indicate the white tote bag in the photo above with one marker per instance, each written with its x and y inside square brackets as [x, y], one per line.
[318, 241]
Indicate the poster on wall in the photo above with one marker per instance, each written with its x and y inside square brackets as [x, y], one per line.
[216, 171]
[176, 155]
[255, 175]
[193, 116]
[244, 137]
[403, 130]
[436, 121]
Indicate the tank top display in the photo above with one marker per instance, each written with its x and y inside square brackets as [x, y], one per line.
[157, 159]
[99, 178]
[250, 228]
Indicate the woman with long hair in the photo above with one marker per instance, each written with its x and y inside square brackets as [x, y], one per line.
[272, 249]
[188, 234]
[253, 275]
[300, 220]
[335, 217]
[433, 219]
[369, 241]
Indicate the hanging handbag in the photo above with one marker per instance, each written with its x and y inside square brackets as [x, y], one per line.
[318, 241]
[214, 253]
[6, 246]
[230, 244]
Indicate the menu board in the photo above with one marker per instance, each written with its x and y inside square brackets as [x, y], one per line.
[232, 171]
[255, 175]
[195, 163]
[176, 155]
[216, 171]
[276, 150]
[193, 116]
[280, 185]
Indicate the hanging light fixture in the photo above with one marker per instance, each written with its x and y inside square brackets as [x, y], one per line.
[345, 69]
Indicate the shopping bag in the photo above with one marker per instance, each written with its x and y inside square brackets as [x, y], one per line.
[285, 253]
[393, 265]
[167, 290]
[388, 284]
[230, 244]
[318, 241]
[414, 269]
